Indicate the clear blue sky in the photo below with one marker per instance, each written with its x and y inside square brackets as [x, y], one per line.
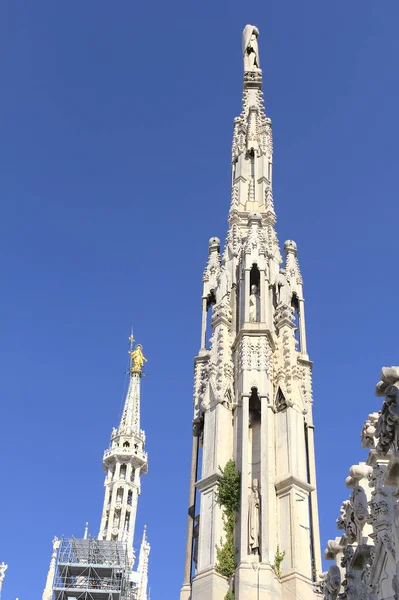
[116, 126]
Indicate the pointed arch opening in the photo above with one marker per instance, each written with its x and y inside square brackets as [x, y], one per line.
[254, 296]
[295, 306]
[210, 302]
[122, 472]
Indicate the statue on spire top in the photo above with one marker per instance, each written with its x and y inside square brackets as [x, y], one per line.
[250, 48]
[138, 359]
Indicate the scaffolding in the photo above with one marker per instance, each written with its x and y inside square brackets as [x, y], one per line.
[90, 569]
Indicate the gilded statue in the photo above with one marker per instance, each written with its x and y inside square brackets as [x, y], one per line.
[138, 359]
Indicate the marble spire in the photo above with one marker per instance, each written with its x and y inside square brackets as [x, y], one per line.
[253, 388]
[125, 461]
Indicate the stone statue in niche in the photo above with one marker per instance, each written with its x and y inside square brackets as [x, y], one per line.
[253, 519]
[250, 48]
[283, 289]
[254, 305]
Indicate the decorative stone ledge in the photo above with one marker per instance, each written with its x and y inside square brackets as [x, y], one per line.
[209, 481]
[291, 481]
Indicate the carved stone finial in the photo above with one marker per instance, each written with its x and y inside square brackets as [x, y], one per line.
[290, 246]
[214, 244]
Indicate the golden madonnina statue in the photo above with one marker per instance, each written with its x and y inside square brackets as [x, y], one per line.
[138, 359]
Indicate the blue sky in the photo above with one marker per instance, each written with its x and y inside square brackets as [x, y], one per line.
[116, 125]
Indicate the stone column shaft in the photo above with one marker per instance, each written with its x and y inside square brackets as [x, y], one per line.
[302, 328]
[244, 468]
[247, 292]
[191, 510]
[313, 502]
[203, 324]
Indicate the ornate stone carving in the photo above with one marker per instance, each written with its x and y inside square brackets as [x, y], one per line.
[211, 273]
[201, 378]
[387, 425]
[255, 244]
[331, 583]
[255, 354]
[346, 521]
[221, 368]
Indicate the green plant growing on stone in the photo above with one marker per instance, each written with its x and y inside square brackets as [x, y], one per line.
[228, 497]
[278, 559]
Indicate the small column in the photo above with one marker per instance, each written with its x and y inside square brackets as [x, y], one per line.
[133, 513]
[246, 292]
[315, 530]
[243, 467]
[302, 329]
[111, 512]
[203, 327]
[104, 514]
[267, 506]
[186, 589]
[262, 294]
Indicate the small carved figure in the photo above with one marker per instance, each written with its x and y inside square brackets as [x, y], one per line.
[138, 358]
[346, 521]
[360, 510]
[283, 289]
[367, 435]
[253, 519]
[250, 48]
[331, 583]
[224, 285]
[254, 305]
[387, 425]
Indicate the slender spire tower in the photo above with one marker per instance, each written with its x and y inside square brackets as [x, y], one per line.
[252, 390]
[142, 570]
[124, 463]
[103, 567]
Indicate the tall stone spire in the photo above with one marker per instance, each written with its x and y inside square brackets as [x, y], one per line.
[124, 462]
[252, 388]
[48, 590]
[142, 570]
